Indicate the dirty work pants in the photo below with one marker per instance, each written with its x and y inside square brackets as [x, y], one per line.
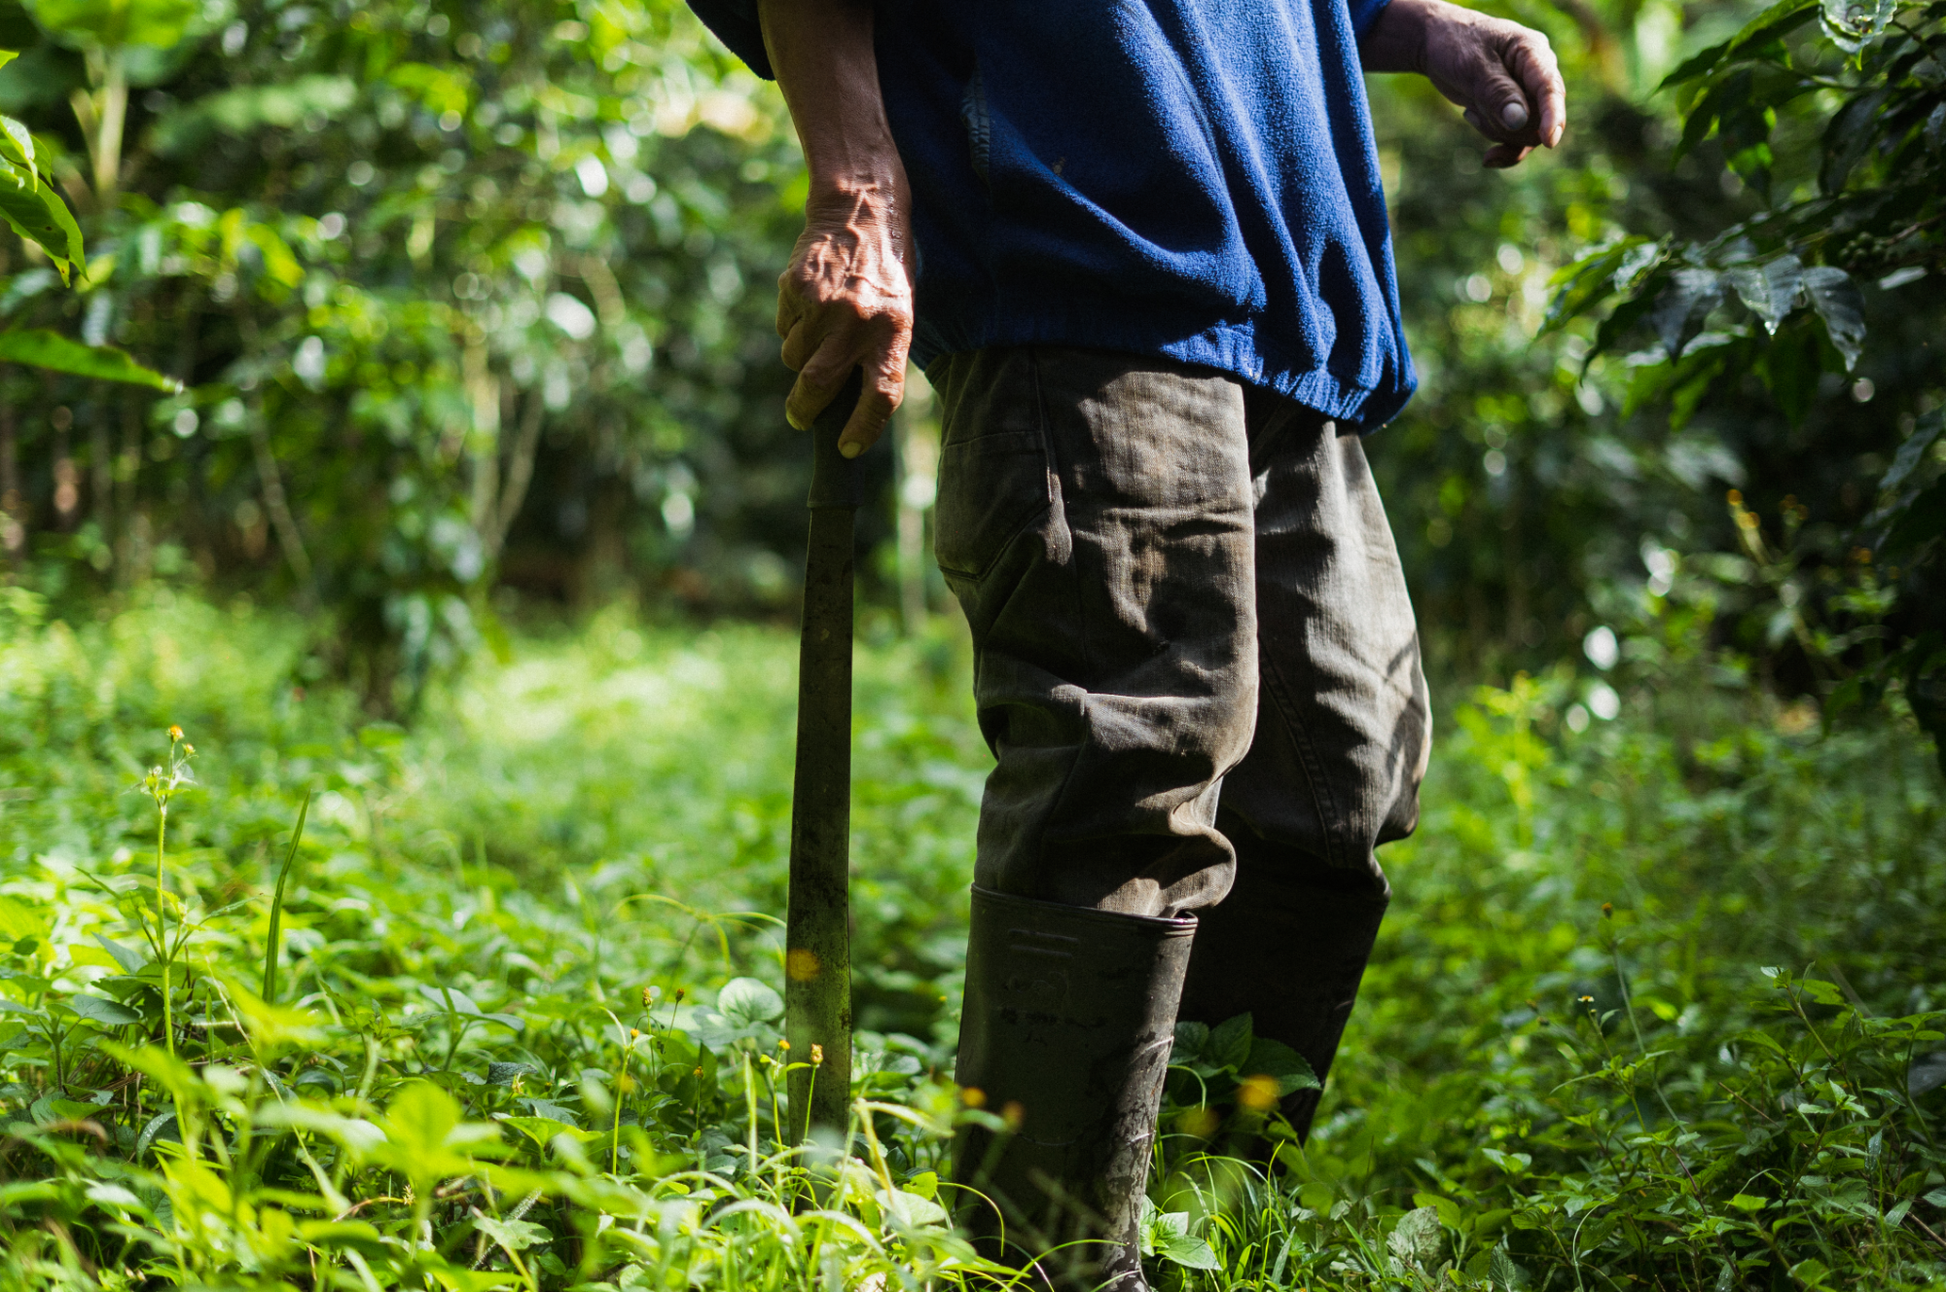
[1195, 661]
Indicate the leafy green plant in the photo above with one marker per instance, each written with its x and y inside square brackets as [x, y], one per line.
[511, 1042]
[1835, 116]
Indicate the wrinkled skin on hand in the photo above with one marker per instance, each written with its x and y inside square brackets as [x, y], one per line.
[844, 302]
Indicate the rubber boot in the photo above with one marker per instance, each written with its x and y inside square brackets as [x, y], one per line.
[1069, 1019]
[1288, 947]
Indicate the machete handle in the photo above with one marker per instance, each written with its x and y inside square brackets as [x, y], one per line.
[836, 480]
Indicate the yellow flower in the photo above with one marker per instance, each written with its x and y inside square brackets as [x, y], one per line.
[175, 733]
[1257, 1092]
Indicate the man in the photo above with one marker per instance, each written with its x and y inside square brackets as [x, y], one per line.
[1154, 289]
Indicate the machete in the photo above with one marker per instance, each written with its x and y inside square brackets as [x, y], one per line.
[817, 927]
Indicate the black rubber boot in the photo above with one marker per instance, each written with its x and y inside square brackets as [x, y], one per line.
[1070, 1015]
[1288, 947]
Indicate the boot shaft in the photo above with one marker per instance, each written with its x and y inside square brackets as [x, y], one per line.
[1069, 1019]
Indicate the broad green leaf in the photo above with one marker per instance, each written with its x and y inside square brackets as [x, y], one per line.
[910, 1208]
[545, 1130]
[36, 213]
[8, 55]
[131, 960]
[17, 143]
[1810, 1274]
[1189, 1252]
[1511, 1163]
[40, 348]
[744, 1001]
[1679, 311]
[1418, 1238]
[1850, 23]
[108, 1013]
[1285, 1066]
[48, 1109]
[1848, 137]
[1769, 290]
[549, 1110]
[1838, 302]
[1229, 1042]
[1507, 1276]
[1447, 1210]
[514, 1235]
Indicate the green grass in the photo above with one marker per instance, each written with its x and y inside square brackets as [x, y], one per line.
[1654, 1009]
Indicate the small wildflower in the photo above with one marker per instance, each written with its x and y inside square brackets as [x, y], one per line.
[1586, 1000]
[1013, 1114]
[697, 1073]
[972, 1096]
[783, 1045]
[407, 1198]
[175, 733]
[634, 1033]
[1257, 1092]
[1608, 910]
[519, 1084]
[817, 1053]
[188, 748]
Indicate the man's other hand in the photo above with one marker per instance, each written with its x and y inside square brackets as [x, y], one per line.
[1503, 74]
[844, 302]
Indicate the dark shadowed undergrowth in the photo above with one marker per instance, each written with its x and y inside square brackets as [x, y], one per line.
[1659, 1004]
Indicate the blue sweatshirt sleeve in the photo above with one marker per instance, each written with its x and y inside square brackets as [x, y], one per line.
[1363, 14]
[735, 23]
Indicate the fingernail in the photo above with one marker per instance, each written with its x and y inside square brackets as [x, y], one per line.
[1515, 115]
[796, 425]
[850, 448]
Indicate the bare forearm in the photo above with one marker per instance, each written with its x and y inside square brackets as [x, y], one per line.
[822, 53]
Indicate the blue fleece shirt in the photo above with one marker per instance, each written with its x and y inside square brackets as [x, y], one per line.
[1193, 179]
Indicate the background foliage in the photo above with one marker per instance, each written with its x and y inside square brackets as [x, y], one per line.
[472, 305]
